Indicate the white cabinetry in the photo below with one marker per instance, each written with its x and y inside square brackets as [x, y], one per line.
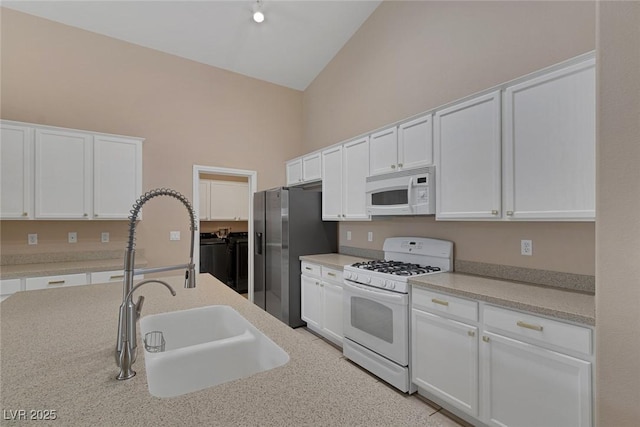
[229, 201]
[549, 145]
[46, 282]
[110, 276]
[8, 287]
[445, 351]
[406, 146]
[204, 190]
[16, 172]
[321, 296]
[345, 168]
[503, 368]
[467, 158]
[304, 169]
[57, 173]
[536, 375]
[117, 176]
[64, 174]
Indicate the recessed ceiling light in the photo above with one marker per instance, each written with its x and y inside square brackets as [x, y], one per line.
[258, 16]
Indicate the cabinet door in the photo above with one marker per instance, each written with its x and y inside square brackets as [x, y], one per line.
[310, 301]
[332, 311]
[445, 359]
[16, 157]
[242, 201]
[529, 386]
[332, 184]
[312, 167]
[415, 143]
[355, 171]
[384, 151]
[204, 190]
[49, 282]
[117, 172]
[9, 287]
[294, 171]
[467, 158]
[224, 196]
[64, 176]
[550, 149]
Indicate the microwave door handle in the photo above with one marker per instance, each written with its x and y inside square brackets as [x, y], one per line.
[410, 194]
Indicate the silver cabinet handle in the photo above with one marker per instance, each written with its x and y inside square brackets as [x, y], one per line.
[399, 165]
[485, 338]
[117, 277]
[25, 214]
[510, 213]
[439, 301]
[529, 326]
[471, 333]
[85, 215]
[393, 166]
[494, 212]
[308, 268]
[331, 274]
[56, 282]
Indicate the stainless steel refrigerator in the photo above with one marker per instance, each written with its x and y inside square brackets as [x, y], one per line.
[287, 224]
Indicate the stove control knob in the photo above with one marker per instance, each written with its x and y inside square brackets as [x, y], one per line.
[347, 275]
[354, 276]
[392, 285]
[367, 279]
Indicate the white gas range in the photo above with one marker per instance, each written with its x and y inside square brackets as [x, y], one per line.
[376, 304]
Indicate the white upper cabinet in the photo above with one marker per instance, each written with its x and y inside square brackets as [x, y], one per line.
[63, 178]
[467, 158]
[57, 173]
[304, 169]
[204, 190]
[332, 183]
[415, 143]
[406, 146]
[117, 176]
[384, 151]
[228, 200]
[549, 145]
[345, 169]
[16, 172]
[294, 171]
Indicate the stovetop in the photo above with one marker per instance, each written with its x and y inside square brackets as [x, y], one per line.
[405, 257]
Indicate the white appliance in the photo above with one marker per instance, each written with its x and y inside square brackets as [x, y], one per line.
[376, 305]
[408, 192]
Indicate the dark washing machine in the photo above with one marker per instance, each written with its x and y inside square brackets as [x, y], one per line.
[238, 261]
[213, 256]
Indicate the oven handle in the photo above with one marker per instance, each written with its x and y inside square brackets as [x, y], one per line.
[385, 296]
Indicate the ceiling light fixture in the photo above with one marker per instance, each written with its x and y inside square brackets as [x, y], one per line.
[258, 16]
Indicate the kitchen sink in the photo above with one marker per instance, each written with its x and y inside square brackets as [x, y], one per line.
[204, 347]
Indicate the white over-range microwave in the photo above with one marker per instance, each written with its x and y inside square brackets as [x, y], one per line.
[408, 192]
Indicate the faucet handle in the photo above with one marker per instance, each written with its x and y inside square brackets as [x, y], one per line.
[139, 305]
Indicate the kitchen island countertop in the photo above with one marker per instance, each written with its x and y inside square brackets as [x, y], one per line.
[58, 354]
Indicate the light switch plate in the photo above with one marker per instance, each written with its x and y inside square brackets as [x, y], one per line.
[174, 235]
[73, 237]
[348, 235]
[370, 236]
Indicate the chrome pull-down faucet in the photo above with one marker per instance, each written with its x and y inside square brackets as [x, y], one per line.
[126, 348]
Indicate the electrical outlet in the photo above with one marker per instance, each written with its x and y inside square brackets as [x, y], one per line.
[174, 235]
[32, 239]
[73, 237]
[370, 236]
[526, 247]
[348, 235]
[104, 237]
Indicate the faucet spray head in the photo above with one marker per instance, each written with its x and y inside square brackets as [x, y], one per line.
[190, 277]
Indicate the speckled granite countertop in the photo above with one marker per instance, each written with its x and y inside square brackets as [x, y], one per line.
[58, 354]
[332, 260]
[567, 305]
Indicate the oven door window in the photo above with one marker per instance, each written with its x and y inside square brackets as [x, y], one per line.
[372, 317]
[390, 197]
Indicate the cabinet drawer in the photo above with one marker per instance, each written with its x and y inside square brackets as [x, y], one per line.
[46, 282]
[107, 276]
[332, 274]
[529, 327]
[9, 286]
[445, 304]
[311, 269]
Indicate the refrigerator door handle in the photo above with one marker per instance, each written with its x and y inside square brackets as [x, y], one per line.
[258, 244]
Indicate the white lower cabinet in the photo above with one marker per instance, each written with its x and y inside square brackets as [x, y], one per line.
[110, 276]
[47, 282]
[498, 366]
[9, 287]
[321, 301]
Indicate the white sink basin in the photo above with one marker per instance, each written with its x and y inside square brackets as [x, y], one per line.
[205, 347]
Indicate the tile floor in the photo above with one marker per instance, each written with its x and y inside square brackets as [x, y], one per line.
[439, 415]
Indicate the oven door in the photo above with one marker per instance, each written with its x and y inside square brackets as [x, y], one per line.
[378, 320]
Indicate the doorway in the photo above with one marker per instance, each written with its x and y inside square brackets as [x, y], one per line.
[232, 175]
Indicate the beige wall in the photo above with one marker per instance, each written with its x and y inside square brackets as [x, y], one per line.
[410, 57]
[618, 225]
[189, 114]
